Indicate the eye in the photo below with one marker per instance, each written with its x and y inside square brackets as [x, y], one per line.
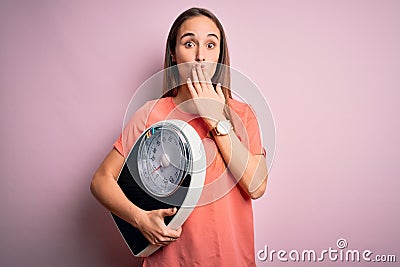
[210, 45]
[189, 44]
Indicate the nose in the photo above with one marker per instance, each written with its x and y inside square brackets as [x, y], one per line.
[200, 55]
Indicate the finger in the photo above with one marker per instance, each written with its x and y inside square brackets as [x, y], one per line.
[196, 82]
[207, 78]
[192, 90]
[219, 91]
[159, 242]
[167, 233]
[167, 212]
[167, 236]
[153, 240]
[167, 240]
[179, 231]
[200, 74]
[175, 234]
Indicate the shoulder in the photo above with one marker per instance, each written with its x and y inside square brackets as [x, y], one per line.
[155, 110]
[151, 105]
[148, 106]
[237, 104]
[243, 110]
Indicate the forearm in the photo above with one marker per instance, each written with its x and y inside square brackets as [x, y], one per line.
[105, 188]
[109, 194]
[249, 170]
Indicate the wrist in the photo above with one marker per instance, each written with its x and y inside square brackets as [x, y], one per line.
[135, 215]
[212, 122]
[222, 128]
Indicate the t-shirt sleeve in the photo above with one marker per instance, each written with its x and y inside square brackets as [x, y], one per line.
[132, 130]
[254, 133]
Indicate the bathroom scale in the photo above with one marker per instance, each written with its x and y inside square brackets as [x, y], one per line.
[165, 168]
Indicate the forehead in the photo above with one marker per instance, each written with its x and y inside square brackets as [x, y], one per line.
[201, 26]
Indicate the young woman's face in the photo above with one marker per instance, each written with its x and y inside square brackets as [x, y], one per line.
[198, 39]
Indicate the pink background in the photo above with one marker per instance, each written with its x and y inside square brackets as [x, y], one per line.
[329, 70]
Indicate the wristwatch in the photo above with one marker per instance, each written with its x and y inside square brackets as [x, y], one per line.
[223, 127]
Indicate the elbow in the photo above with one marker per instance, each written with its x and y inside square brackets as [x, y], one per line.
[259, 179]
[94, 185]
[259, 191]
[257, 194]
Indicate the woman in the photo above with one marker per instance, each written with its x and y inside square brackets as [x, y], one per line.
[219, 233]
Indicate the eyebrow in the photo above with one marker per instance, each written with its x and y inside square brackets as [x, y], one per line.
[192, 34]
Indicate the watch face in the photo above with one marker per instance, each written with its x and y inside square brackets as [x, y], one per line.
[223, 127]
[163, 160]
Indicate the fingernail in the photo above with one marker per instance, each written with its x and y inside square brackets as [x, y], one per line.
[188, 80]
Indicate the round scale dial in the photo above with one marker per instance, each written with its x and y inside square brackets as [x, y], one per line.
[163, 159]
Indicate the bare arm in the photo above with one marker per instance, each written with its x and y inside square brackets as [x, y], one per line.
[249, 170]
[106, 190]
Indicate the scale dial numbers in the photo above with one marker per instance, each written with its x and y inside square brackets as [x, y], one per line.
[163, 160]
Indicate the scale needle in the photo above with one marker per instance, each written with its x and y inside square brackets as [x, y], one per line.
[156, 169]
[164, 162]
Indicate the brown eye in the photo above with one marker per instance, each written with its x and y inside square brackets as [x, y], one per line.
[210, 45]
[189, 44]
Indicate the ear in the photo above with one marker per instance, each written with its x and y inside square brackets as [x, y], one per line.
[173, 57]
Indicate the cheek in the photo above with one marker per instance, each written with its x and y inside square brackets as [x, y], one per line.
[185, 55]
[216, 56]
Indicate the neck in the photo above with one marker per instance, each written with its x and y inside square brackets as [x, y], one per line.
[183, 94]
[182, 97]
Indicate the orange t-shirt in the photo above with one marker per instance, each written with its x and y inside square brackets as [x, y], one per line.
[219, 232]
